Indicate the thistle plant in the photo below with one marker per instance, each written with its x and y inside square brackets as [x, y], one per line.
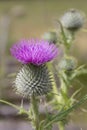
[36, 78]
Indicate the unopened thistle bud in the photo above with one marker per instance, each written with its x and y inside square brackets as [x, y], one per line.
[72, 20]
[67, 64]
[34, 77]
[51, 37]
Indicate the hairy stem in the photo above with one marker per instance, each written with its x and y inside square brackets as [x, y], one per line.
[35, 112]
[61, 125]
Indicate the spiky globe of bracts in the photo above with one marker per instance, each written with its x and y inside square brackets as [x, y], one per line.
[33, 80]
[72, 19]
[34, 77]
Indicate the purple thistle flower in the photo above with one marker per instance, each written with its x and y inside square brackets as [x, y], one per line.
[34, 51]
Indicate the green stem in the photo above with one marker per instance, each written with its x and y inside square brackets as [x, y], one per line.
[64, 87]
[61, 125]
[64, 95]
[35, 112]
[55, 89]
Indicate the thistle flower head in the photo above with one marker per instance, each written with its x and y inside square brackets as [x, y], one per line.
[34, 77]
[72, 19]
[34, 51]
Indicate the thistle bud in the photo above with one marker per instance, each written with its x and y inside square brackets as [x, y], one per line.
[33, 80]
[72, 20]
[68, 64]
[50, 37]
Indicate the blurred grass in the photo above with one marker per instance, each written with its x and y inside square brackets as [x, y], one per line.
[40, 15]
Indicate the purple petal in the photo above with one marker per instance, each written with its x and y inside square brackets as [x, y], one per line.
[34, 51]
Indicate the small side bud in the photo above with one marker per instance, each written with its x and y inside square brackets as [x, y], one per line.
[67, 64]
[72, 20]
[50, 37]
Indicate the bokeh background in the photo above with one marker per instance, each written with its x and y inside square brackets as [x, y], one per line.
[21, 19]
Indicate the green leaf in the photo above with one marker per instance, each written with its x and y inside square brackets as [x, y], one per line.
[14, 106]
[63, 114]
[78, 73]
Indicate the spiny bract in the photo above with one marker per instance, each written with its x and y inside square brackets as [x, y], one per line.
[33, 80]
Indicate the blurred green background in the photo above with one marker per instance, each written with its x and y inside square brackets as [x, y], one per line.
[21, 19]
